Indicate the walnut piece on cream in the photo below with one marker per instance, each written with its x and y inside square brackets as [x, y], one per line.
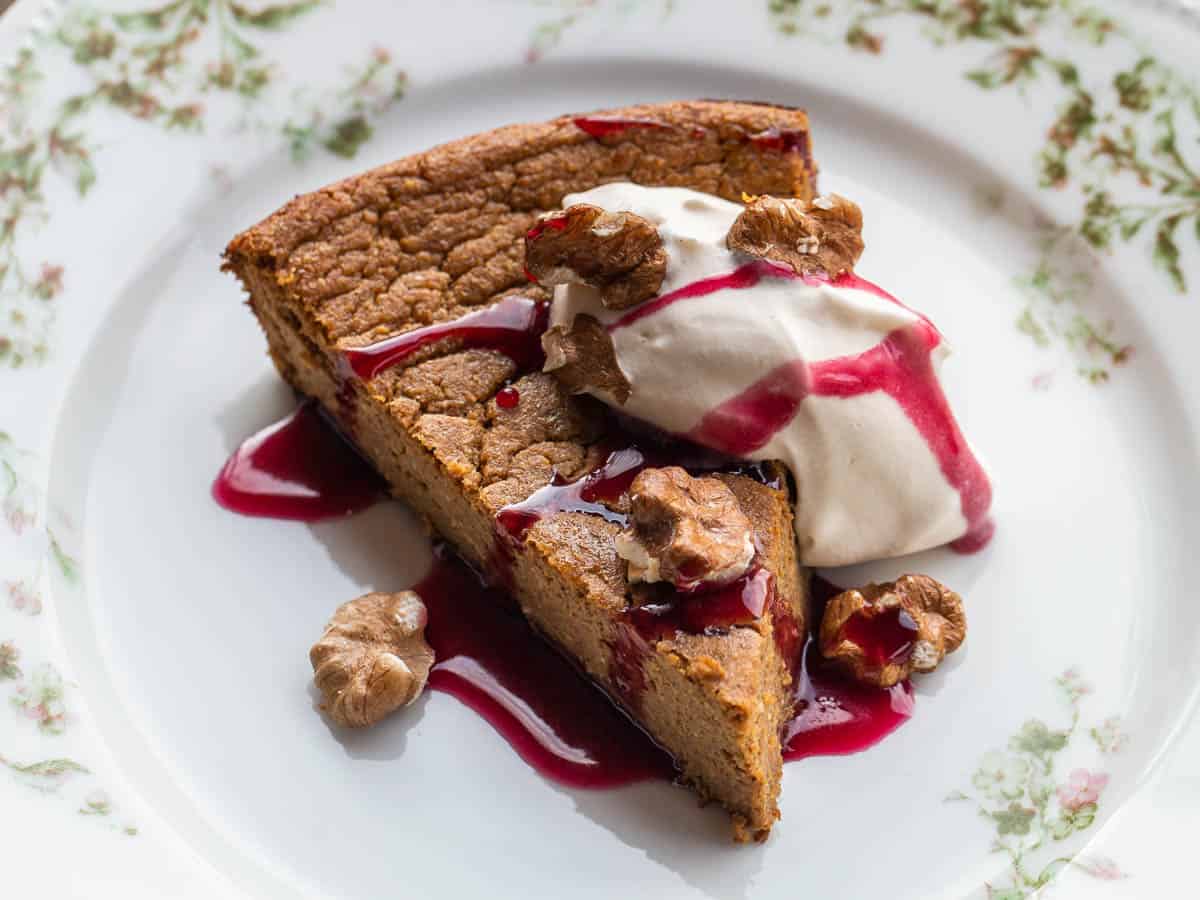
[372, 658]
[618, 253]
[684, 530]
[824, 236]
[582, 358]
[882, 633]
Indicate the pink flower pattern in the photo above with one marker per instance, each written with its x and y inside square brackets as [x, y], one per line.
[24, 597]
[1101, 867]
[1082, 787]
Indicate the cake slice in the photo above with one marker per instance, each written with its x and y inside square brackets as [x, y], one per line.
[399, 300]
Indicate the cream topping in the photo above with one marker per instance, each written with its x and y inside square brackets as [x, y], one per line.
[712, 365]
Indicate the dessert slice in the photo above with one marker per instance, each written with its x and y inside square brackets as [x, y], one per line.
[399, 300]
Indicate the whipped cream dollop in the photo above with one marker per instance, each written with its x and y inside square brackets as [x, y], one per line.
[835, 378]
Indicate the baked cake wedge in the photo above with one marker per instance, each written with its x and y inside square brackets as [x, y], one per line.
[399, 300]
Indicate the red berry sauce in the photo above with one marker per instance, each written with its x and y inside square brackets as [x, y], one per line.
[606, 126]
[554, 223]
[709, 610]
[300, 468]
[835, 715]
[586, 494]
[489, 658]
[781, 140]
[553, 717]
[513, 327]
[508, 397]
[885, 637]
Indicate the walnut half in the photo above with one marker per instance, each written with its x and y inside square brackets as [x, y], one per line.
[822, 236]
[882, 633]
[684, 530]
[372, 658]
[619, 253]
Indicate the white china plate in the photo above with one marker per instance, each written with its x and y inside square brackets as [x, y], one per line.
[157, 729]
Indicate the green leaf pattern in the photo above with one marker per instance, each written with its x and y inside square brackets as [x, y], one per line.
[167, 65]
[9, 655]
[1030, 805]
[1116, 143]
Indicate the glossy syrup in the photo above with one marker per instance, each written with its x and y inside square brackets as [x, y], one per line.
[781, 140]
[607, 126]
[833, 714]
[711, 610]
[489, 658]
[571, 732]
[508, 397]
[513, 327]
[299, 468]
[554, 718]
[587, 494]
[885, 637]
[612, 478]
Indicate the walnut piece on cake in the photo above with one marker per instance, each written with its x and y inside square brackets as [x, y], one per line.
[372, 658]
[882, 633]
[618, 253]
[822, 236]
[683, 530]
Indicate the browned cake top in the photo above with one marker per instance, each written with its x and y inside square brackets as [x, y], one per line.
[429, 236]
[432, 236]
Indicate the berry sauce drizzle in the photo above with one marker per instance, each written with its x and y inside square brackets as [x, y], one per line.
[606, 126]
[781, 140]
[900, 366]
[706, 611]
[587, 494]
[508, 397]
[513, 327]
[552, 716]
[835, 715]
[885, 637]
[739, 602]
[491, 660]
[605, 484]
[299, 468]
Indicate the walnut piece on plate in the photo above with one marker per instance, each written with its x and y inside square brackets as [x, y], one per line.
[684, 530]
[822, 236]
[618, 253]
[372, 658]
[882, 633]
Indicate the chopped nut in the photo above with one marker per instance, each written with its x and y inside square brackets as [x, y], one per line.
[583, 357]
[824, 236]
[882, 633]
[620, 254]
[372, 658]
[684, 530]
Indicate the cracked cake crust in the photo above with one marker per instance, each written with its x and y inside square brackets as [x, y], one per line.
[434, 236]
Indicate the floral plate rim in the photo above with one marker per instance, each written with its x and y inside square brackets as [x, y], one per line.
[41, 695]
